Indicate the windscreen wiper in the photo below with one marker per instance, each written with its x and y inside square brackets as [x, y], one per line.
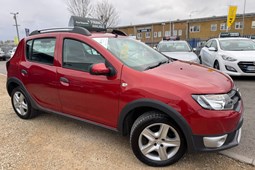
[156, 65]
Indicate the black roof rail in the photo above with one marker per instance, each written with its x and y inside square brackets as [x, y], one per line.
[78, 30]
[116, 32]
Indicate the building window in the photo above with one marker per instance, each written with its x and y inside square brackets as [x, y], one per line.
[159, 34]
[223, 26]
[180, 33]
[167, 33]
[139, 35]
[194, 28]
[155, 34]
[147, 35]
[174, 32]
[213, 27]
[253, 24]
[238, 25]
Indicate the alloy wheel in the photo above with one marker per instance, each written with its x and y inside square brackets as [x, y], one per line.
[159, 142]
[20, 103]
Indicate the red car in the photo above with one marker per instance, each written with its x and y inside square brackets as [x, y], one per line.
[105, 78]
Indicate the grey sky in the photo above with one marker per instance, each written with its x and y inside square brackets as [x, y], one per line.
[38, 14]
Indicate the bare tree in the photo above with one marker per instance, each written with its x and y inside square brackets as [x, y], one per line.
[81, 8]
[107, 13]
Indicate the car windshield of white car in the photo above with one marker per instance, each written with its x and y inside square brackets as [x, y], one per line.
[174, 46]
[237, 45]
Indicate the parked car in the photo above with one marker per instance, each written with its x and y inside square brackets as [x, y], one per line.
[12, 52]
[234, 56]
[105, 78]
[178, 50]
[2, 55]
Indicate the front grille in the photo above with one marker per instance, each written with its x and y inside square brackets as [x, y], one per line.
[236, 99]
[247, 67]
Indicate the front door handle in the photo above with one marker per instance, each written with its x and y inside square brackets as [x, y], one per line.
[64, 81]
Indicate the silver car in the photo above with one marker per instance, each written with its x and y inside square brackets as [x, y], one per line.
[179, 50]
[2, 55]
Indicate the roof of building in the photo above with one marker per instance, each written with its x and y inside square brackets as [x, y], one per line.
[189, 20]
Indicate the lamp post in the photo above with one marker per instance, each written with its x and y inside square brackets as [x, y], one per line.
[243, 16]
[163, 24]
[188, 24]
[16, 23]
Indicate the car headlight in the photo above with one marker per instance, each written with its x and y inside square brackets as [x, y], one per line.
[228, 58]
[214, 102]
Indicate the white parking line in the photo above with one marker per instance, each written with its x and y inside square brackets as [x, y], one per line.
[3, 74]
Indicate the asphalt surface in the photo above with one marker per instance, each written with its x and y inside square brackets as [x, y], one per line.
[246, 151]
[55, 142]
[2, 67]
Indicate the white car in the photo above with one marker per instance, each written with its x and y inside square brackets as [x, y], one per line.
[234, 56]
[179, 50]
[13, 51]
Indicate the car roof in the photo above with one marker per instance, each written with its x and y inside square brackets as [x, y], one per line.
[171, 41]
[232, 38]
[80, 31]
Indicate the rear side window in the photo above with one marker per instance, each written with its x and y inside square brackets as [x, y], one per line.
[41, 50]
[80, 56]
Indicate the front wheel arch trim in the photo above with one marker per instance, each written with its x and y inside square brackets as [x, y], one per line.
[168, 110]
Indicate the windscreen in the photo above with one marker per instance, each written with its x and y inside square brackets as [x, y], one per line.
[174, 46]
[237, 45]
[132, 53]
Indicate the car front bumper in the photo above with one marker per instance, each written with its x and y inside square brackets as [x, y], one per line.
[238, 68]
[218, 142]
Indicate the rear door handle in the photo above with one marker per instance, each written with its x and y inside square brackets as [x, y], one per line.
[23, 72]
[64, 81]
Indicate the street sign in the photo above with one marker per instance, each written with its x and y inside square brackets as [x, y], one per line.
[90, 24]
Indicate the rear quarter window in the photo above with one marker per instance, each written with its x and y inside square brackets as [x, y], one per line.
[41, 50]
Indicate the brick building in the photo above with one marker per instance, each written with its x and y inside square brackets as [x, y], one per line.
[200, 29]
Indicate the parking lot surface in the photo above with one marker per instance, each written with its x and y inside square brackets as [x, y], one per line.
[54, 142]
[2, 67]
[245, 151]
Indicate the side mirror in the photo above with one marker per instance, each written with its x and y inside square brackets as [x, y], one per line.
[194, 49]
[99, 69]
[212, 49]
[155, 48]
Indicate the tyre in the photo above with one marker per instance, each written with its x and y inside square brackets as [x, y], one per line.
[156, 140]
[21, 104]
[200, 59]
[216, 65]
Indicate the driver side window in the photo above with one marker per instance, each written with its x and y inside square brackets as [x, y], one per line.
[208, 43]
[214, 44]
[79, 56]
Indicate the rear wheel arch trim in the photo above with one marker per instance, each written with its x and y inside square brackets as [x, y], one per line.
[20, 84]
[168, 110]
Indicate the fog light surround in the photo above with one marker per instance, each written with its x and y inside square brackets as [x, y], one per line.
[229, 68]
[214, 142]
